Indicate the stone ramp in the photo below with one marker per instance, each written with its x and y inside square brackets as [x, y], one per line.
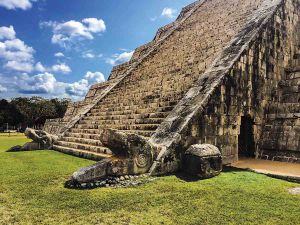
[156, 79]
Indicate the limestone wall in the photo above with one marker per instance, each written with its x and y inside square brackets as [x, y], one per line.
[251, 88]
[211, 111]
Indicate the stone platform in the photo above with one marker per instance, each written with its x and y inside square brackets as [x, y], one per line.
[283, 170]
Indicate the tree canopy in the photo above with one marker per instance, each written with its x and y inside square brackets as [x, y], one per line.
[31, 112]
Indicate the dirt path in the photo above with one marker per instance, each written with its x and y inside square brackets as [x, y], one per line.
[269, 167]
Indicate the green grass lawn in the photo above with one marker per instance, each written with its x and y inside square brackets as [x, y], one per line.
[32, 192]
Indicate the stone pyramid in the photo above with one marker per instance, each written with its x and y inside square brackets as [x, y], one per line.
[226, 73]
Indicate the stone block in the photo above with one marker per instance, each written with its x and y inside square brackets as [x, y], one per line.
[203, 161]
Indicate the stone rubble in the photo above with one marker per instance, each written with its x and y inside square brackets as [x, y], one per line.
[114, 182]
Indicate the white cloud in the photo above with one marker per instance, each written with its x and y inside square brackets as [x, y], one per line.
[59, 55]
[14, 52]
[2, 89]
[16, 4]
[68, 33]
[47, 85]
[40, 68]
[96, 77]
[169, 12]
[81, 87]
[43, 83]
[95, 25]
[62, 68]
[19, 66]
[50, 23]
[18, 45]
[88, 55]
[7, 32]
[119, 58]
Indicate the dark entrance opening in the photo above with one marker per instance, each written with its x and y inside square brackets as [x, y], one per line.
[246, 138]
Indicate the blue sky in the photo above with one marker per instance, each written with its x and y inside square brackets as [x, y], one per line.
[55, 48]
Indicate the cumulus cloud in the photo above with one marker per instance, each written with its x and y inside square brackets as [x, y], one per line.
[14, 52]
[68, 33]
[57, 68]
[59, 55]
[16, 4]
[94, 25]
[46, 84]
[16, 49]
[81, 87]
[43, 83]
[40, 67]
[7, 32]
[119, 58]
[61, 68]
[169, 12]
[96, 77]
[2, 89]
[19, 66]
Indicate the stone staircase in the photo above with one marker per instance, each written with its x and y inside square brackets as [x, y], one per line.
[143, 119]
[282, 128]
[157, 77]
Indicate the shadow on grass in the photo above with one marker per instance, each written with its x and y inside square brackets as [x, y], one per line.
[187, 177]
[190, 178]
[230, 169]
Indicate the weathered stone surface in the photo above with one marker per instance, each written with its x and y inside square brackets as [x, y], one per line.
[41, 140]
[30, 146]
[133, 146]
[110, 181]
[41, 137]
[133, 155]
[203, 161]
[195, 83]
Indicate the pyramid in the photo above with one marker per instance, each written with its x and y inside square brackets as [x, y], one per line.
[226, 73]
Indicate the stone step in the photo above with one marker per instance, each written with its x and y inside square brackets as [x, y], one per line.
[139, 132]
[82, 141]
[296, 61]
[81, 153]
[290, 82]
[293, 69]
[85, 136]
[102, 121]
[86, 126]
[279, 129]
[293, 75]
[113, 100]
[138, 110]
[80, 146]
[128, 107]
[84, 131]
[131, 116]
[291, 89]
[119, 126]
[274, 116]
[290, 97]
[283, 108]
